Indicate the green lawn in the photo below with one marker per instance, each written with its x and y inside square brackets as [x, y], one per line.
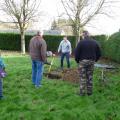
[56, 100]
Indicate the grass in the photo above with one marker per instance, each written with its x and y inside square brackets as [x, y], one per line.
[57, 99]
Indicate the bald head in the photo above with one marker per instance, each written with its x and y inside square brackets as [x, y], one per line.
[39, 33]
[85, 33]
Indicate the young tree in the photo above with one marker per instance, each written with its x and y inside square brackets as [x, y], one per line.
[54, 25]
[22, 12]
[81, 12]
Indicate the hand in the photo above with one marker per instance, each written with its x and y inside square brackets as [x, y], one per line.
[4, 68]
[53, 55]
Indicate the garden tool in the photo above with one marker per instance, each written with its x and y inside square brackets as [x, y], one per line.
[49, 70]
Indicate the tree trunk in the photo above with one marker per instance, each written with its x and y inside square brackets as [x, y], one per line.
[23, 42]
[78, 35]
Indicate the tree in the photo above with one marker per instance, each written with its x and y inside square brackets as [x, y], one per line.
[81, 12]
[22, 12]
[54, 25]
[62, 24]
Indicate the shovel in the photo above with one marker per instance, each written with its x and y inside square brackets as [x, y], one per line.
[49, 70]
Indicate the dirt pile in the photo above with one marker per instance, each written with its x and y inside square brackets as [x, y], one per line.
[54, 75]
[71, 75]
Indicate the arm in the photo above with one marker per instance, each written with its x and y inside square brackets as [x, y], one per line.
[2, 65]
[70, 48]
[98, 52]
[77, 53]
[60, 47]
[43, 51]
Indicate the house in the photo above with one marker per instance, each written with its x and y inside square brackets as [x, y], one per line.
[53, 32]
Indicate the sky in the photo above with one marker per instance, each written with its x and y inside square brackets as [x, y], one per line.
[101, 25]
[51, 9]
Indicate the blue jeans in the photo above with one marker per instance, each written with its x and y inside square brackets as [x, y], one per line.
[37, 72]
[67, 55]
[1, 87]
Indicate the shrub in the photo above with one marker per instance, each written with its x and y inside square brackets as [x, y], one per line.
[112, 47]
[101, 40]
[11, 41]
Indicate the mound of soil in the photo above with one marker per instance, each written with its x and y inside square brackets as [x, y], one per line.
[54, 75]
[71, 75]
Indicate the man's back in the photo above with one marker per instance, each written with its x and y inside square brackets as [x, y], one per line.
[37, 48]
[87, 49]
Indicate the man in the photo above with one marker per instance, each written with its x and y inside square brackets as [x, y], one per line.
[37, 49]
[65, 50]
[86, 54]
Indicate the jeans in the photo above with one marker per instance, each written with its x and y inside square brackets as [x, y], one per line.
[67, 55]
[37, 72]
[1, 87]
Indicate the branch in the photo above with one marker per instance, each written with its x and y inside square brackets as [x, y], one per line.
[67, 11]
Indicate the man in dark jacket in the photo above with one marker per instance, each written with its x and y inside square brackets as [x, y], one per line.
[37, 50]
[87, 53]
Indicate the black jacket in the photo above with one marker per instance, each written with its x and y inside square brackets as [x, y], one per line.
[87, 49]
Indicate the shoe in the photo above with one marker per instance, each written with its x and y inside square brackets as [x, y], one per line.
[38, 86]
[80, 94]
[61, 69]
[89, 94]
[2, 98]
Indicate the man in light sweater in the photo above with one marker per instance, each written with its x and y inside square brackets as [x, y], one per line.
[37, 50]
[65, 50]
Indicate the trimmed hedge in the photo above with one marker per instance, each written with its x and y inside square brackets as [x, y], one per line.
[112, 47]
[10, 41]
[101, 40]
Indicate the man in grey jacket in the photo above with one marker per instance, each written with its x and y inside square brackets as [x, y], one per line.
[65, 50]
[37, 50]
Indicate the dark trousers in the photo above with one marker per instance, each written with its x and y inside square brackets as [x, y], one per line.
[67, 55]
[86, 68]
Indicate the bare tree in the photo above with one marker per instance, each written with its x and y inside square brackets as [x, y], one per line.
[22, 12]
[81, 12]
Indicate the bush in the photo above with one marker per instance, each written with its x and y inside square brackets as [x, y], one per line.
[112, 47]
[10, 41]
[101, 40]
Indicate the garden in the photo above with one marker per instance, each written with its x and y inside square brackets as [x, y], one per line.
[57, 99]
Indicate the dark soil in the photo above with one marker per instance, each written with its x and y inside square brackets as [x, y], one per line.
[71, 75]
[54, 75]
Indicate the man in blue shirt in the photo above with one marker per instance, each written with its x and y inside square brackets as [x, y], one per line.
[65, 50]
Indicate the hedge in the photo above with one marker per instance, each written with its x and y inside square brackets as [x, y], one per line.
[101, 40]
[112, 47]
[10, 41]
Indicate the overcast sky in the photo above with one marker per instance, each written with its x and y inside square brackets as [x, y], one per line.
[102, 25]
